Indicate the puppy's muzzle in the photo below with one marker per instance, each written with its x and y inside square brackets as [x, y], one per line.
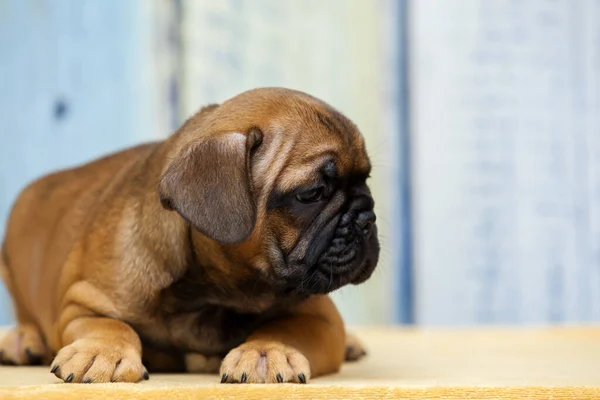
[344, 247]
[351, 242]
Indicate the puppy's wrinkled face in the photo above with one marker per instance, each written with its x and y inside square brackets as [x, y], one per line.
[336, 241]
[279, 179]
[320, 209]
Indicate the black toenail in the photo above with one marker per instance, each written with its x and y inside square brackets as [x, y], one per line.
[224, 378]
[54, 369]
[244, 378]
[146, 376]
[69, 378]
[279, 378]
[87, 380]
[302, 378]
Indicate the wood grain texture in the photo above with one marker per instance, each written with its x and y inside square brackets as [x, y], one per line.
[559, 363]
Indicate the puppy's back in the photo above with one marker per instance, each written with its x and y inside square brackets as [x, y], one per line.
[47, 218]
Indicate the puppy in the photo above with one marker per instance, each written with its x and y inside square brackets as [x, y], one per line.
[223, 240]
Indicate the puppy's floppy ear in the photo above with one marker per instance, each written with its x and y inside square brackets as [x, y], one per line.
[209, 185]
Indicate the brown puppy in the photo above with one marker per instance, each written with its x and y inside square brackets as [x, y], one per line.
[223, 240]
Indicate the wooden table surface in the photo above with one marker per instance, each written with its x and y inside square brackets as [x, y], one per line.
[481, 363]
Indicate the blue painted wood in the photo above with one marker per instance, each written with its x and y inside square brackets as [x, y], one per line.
[505, 98]
[72, 88]
[405, 314]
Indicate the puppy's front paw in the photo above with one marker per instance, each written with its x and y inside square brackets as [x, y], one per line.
[264, 362]
[97, 361]
[24, 346]
[354, 348]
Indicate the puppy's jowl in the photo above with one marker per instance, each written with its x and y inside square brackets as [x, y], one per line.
[216, 248]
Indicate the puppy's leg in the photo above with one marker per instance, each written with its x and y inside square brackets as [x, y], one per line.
[23, 345]
[309, 342]
[99, 350]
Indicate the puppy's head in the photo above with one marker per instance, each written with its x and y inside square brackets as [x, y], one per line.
[279, 180]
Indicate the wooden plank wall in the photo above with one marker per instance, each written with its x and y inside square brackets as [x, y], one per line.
[503, 118]
[506, 142]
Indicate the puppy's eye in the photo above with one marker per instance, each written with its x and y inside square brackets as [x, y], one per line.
[310, 196]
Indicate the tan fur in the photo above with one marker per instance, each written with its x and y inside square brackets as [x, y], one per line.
[91, 247]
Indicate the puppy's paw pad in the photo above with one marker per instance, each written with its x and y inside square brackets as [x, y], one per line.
[264, 362]
[98, 361]
[24, 346]
[355, 350]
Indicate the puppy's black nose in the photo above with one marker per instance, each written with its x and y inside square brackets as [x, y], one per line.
[365, 220]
